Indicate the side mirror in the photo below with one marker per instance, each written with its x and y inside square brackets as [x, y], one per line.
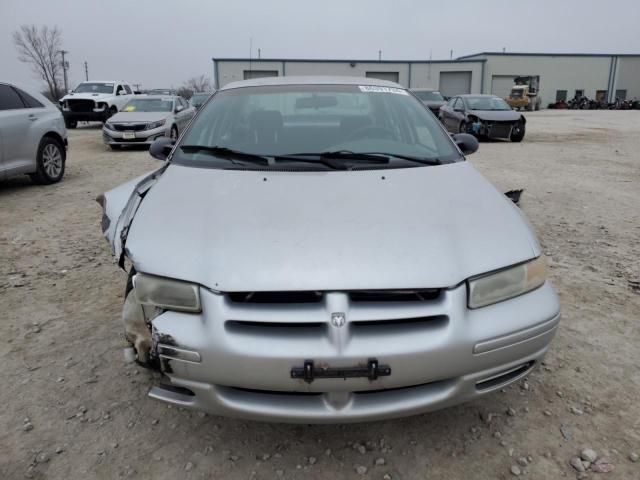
[466, 143]
[179, 108]
[161, 148]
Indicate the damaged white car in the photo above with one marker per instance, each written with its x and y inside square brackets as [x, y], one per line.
[317, 249]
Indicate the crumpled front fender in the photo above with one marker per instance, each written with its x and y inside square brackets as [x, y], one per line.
[119, 207]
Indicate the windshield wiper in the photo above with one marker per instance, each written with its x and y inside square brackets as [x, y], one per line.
[411, 158]
[227, 153]
[337, 160]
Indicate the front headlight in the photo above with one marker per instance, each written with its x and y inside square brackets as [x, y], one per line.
[109, 126]
[508, 283]
[152, 125]
[167, 293]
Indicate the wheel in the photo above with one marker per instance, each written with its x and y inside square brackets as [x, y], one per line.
[517, 133]
[531, 107]
[538, 106]
[174, 134]
[50, 162]
[71, 123]
[115, 147]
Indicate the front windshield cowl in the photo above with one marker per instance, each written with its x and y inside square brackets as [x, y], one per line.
[354, 121]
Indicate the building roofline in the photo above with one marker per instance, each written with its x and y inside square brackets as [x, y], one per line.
[342, 60]
[549, 54]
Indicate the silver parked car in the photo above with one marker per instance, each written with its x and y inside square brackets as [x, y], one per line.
[317, 249]
[33, 138]
[146, 118]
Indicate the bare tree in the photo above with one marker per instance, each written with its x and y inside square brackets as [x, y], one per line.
[198, 84]
[41, 49]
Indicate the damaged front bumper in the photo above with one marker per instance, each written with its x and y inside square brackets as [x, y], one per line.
[239, 360]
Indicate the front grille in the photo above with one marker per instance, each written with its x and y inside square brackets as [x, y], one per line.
[500, 130]
[357, 296]
[128, 127]
[275, 297]
[129, 140]
[81, 105]
[394, 295]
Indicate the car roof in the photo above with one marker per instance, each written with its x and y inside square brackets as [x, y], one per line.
[466, 95]
[424, 90]
[155, 97]
[311, 80]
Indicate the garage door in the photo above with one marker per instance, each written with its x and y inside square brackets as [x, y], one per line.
[501, 85]
[248, 74]
[455, 83]
[391, 76]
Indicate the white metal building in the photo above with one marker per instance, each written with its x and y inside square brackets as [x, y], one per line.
[562, 75]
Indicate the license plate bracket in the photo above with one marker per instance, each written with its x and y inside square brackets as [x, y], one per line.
[310, 372]
[128, 135]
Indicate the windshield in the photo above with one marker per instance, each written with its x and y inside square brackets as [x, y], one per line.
[517, 93]
[487, 103]
[199, 98]
[93, 87]
[149, 105]
[160, 91]
[428, 96]
[293, 119]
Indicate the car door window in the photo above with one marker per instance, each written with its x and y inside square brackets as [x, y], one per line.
[457, 105]
[28, 100]
[119, 90]
[9, 99]
[127, 89]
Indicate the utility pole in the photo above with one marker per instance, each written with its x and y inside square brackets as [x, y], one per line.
[65, 66]
[86, 71]
[259, 54]
[137, 85]
[451, 55]
[379, 55]
[250, 52]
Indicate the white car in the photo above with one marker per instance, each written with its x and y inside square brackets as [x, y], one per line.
[146, 118]
[33, 138]
[95, 101]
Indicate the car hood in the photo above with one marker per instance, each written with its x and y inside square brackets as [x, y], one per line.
[136, 117]
[86, 96]
[496, 115]
[235, 230]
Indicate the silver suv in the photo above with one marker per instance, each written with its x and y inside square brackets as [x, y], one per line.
[318, 249]
[33, 138]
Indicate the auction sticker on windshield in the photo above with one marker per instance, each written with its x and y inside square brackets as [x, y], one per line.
[374, 89]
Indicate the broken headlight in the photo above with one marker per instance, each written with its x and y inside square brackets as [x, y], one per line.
[167, 293]
[508, 283]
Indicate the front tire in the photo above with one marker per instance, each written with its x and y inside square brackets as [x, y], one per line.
[517, 133]
[50, 162]
[174, 134]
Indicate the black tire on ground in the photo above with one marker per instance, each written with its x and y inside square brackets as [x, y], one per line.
[174, 133]
[115, 147]
[50, 162]
[71, 123]
[517, 134]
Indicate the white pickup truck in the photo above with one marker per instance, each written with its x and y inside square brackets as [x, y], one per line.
[95, 101]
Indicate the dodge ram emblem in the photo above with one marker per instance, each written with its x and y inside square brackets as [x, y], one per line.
[337, 319]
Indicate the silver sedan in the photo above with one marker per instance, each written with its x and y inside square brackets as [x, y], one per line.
[146, 118]
[33, 138]
[318, 249]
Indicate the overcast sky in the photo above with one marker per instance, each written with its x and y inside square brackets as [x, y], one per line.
[161, 43]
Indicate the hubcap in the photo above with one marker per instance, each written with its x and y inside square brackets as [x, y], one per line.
[52, 160]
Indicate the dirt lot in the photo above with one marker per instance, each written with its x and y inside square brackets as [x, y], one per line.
[73, 409]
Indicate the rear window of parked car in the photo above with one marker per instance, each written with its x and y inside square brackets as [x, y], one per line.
[9, 98]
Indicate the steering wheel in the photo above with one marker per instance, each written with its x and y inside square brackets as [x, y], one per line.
[369, 131]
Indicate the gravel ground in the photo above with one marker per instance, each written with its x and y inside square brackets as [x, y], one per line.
[74, 409]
